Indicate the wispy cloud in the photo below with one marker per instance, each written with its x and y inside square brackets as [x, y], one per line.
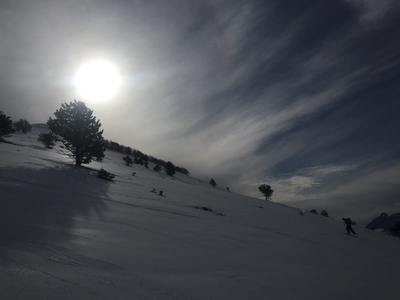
[373, 11]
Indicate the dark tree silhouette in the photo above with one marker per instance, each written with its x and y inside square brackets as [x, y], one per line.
[6, 126]
[395, 229]
[139, 157]
[169, 168]
[266, 191]
[47, 139]
[213, 183]
[103, 174]
[324, 213]
[79, 131]
[157, 168]
[22, 125]
[138, 161]
[128, 160]
[182, 170]
[128, 150]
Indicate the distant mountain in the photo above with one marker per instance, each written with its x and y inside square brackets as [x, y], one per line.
[384, 221]
[41, 126]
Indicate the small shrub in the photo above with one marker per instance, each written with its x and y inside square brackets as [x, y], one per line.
[205, 208]
[47, 139]
[324, 213]
[213, 183]
[103, 174]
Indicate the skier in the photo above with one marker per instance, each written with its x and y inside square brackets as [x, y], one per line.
[349, 229]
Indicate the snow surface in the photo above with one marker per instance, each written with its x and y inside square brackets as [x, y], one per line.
[66, 234]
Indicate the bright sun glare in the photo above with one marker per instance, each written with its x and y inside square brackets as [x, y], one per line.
[97, 80]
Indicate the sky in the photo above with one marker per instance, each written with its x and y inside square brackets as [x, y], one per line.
[300, 95]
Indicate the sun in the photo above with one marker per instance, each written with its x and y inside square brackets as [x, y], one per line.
[97, 80]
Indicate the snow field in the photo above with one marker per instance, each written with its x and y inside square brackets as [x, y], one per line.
[66, 234]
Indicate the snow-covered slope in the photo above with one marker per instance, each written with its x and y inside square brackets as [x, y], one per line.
[66, 234]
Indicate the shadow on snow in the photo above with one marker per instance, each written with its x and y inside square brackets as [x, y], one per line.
[42, 205]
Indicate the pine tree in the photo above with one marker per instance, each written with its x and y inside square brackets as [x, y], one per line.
[79, 131]
[6, 127]
[266, 190]
[169, 168]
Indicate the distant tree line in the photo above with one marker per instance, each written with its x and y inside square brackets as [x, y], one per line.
[139, 158]
[7, 126]
[22, 125]
[75, 126]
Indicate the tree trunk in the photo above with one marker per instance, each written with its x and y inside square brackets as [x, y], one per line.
[78, 158]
